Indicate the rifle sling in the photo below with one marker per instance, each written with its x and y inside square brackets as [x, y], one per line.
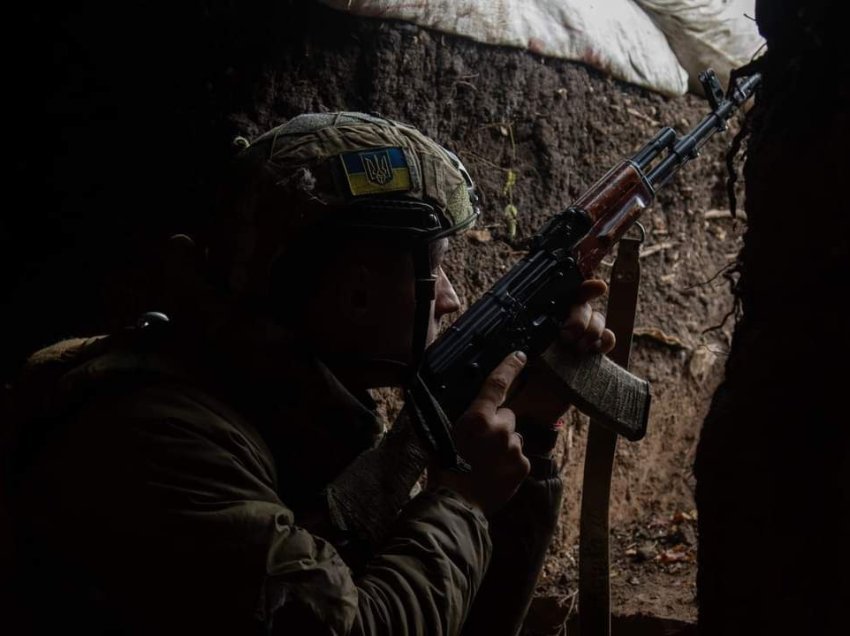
[594, 581]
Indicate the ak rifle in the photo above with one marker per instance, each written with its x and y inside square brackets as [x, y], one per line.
[524, 309]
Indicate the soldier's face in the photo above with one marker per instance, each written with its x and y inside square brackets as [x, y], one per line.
[446, 301]
[389, 307]
[367, 307]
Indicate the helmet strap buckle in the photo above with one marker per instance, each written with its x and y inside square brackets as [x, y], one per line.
[426, 290]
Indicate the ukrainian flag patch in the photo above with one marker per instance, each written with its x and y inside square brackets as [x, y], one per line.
[376, 171]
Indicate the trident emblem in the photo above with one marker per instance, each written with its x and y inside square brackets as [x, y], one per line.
[378, 170]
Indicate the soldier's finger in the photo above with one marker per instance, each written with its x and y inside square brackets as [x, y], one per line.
[495, 387]
[576, 322]
[595, 328]
[590, 289]
[606, 342]
[504, 422]
[524, 467]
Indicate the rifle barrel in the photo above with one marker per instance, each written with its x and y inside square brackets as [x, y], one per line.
[688, 146]
[665, 138]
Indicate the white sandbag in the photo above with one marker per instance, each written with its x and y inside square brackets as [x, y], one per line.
[707, 33]
[615, 36]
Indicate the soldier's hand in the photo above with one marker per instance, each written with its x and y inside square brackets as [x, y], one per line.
[540, 400]
[584, 329]
[485, 437]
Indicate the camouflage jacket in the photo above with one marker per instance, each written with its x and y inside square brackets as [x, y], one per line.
[151, 496]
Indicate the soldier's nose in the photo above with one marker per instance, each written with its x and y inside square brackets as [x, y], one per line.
[446, 301]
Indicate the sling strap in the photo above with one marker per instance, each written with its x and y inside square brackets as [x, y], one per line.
[594, 582]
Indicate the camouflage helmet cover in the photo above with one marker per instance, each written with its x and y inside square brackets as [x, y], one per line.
[345, 169]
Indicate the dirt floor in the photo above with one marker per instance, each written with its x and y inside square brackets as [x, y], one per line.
[535, 133]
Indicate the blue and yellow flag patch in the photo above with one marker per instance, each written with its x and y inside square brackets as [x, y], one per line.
[376, 171]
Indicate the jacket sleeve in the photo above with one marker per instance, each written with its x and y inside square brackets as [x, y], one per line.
[521, 533]
[422, 581]
[181, 527]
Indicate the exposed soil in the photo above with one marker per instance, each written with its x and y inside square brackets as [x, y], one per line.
[557, 126]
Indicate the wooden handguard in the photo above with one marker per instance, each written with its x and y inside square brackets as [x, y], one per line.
[603, 390]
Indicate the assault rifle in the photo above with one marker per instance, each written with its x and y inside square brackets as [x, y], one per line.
[524, 309]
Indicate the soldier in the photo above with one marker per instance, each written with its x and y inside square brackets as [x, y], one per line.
[172, 478]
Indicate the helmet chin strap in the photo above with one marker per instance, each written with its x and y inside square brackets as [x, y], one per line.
[425, 293]
[431, 421]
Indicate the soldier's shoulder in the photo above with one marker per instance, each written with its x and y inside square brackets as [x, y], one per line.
[103, 388]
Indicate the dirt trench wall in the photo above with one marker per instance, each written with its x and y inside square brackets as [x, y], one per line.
[773, 463]
[141, 126]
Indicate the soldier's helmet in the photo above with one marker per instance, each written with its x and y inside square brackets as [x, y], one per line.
[322, 173]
